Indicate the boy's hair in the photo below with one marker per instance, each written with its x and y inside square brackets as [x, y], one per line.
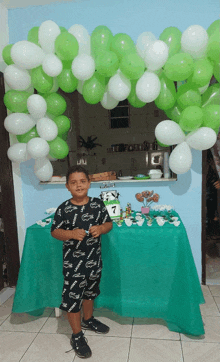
[77, 168]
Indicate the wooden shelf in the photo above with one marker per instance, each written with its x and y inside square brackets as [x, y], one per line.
[112, 181]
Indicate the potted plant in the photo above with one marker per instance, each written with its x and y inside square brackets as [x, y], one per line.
[147, 197]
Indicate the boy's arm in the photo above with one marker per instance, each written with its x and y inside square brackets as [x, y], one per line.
[97, 230]
[63, 235]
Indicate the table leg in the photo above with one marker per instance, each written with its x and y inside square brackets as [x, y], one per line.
[58, 312]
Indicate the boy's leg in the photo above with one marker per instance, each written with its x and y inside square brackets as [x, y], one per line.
[75, 321]
[87, 309]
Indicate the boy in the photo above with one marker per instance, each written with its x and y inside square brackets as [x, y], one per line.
[79, 222]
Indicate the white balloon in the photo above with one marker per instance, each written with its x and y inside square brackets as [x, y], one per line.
[80, 86]
[47, 129]
[194, 41]
[83, 38]
[47, 34]
[202, 138]
[143, 42]
[108, 102]
[83, 66]
[17, 78]
[38, 148]
[169, 133]
[37, 106]
[52, 65]
[18, 152]
[18, 123]
[51, 158]
[180, 159]
[148, 87]
[27, 55]
[156, 55]
[119, 86]
[43, 169]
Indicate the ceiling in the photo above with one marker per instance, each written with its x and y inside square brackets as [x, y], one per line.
[10, 4]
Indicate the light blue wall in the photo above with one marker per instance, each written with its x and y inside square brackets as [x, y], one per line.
[131, 17]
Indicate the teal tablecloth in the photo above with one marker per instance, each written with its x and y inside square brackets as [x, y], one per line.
[148, 272]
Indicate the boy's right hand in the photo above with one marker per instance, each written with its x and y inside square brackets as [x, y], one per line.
[79, 234]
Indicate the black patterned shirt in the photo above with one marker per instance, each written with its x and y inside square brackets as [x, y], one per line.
[69, 216]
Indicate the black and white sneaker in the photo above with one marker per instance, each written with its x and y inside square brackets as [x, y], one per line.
[80, 346]
[94, 325]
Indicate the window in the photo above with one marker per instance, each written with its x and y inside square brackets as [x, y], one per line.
[119, 116]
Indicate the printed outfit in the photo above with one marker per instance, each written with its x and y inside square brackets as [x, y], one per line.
[82, 263]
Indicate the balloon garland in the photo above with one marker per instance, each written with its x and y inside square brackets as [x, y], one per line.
[109, 68]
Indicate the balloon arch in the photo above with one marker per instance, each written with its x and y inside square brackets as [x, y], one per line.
[109, 68]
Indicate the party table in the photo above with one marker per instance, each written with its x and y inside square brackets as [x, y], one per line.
[148, 272]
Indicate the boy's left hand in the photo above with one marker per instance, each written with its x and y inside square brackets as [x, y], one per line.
[95, 230]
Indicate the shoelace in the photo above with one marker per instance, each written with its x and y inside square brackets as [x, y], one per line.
[80, 340]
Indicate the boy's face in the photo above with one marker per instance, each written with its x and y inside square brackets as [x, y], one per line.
[78, 185]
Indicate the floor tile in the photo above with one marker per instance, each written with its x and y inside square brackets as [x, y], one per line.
[217, 301]
[215, 290]
[24, 322]
[152, 328]
[197, 352]
[107, 349]
[119, 326]
[209, 308]
[212, 331]
[13, 345]
[48, 348]
[57, 325]
[206, 290]
[145, 350]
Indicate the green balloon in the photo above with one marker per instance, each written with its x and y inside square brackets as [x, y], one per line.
[174, 113]
[106, 63]
[42, 82]
[179, 67]
[188, 95]
[33, 35]
[202, 73]
[101, 39]
[122, 44]
[66, 46]
[172, 37]
[132, 66]
[211, 95]
[63, 124]
[26, 137]
[16, 101]
[56, 104]
[58, 148]
[191, 118]
[62, 29]
[167, 96]
[211, 117]
[213, 47]
[66, 81]
[6, 54]
[66, 64]
[212, 28]
[216, 71]
[64, 136]
[94, 89]
[132, 98]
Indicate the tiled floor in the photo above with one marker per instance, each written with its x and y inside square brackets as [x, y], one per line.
[24, 338]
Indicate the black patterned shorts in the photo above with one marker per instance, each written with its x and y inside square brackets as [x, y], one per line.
[82, 273]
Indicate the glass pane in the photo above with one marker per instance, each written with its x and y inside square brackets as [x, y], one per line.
[119, 123]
